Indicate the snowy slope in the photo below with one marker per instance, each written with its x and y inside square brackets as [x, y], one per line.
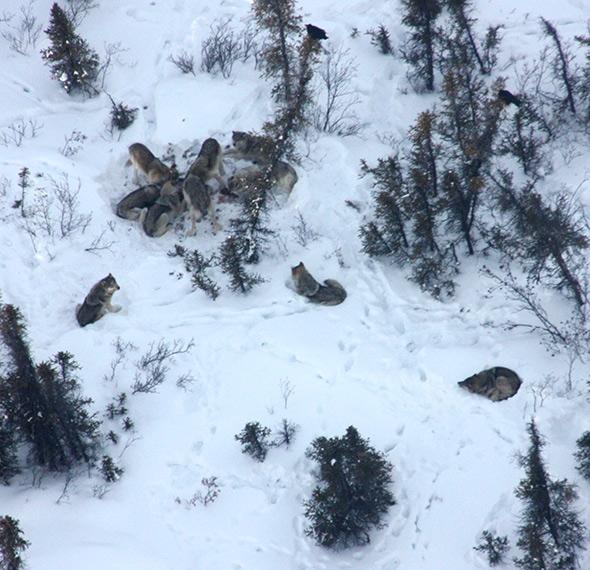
[386, 361]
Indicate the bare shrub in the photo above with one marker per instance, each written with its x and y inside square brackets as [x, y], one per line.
[77, 10]
[335, 115]
[221, 49]
[55, 213]
[304, 234]
[73, 143]
[205, 497]
[152, 367]
[184, 61]
[122, 349]
[112, 53]
[22, 35]
[18, 131]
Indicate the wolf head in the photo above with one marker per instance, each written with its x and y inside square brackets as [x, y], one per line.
[298, 270]
[240, 139]
[109, 284]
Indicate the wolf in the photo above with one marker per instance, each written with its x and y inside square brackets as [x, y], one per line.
[248, 146]
[130, 206]
[497, 383]
[198, 202]
[98, 302]
[209, 163]
[143, 160]
[283, 178]
[330, 293]
[157, 219]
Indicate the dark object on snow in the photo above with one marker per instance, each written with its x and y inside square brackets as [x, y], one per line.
[316, 33]
[507, 97]
[496, 383]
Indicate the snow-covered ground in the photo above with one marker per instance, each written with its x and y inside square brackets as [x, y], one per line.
[386, 361]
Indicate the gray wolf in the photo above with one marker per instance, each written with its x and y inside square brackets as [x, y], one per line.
[98, 302]
[143, 160]
[328, 293]
[158, 218]
[209, 162]
[496, 383]
[283, 178]
[249, 146]
[131, 205]
[198, 201]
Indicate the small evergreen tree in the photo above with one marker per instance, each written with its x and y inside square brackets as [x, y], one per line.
[280, 21]
[42, 401]
[551, 533]
[582, 455]
[353, 494]
[562, 67]
[232, 256]
[468, 124]
[293, 114]
[387, 235]
[12, 544]
[495, 547]
[419, 51]
[8, 459]
[484, 52]
[109, 470]
[547, 237]
[197, 265]
[285, 433]
[250, 226]
[254, 440]
[381, 39]
[526, 137]
[73, 63]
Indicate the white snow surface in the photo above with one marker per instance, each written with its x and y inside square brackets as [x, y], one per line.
[386, 361]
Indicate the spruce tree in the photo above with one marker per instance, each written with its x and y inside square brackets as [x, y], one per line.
[582, 455]
[387, 234]
[73, 63]
[548, 237]
[282, 24]
[482, 52]
[468, 124]
[562, 68]
[525, 137]
[250, 227]
[12, 544]
[354, 491]
[551, 533]
[233, 254]
[419, 51]
[42, 401]
[254, 440]
[8, 459]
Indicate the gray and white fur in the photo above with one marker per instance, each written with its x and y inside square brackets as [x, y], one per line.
[144, 161]
[98, 302]
[209, 162]
[329, 293]
[197, 197]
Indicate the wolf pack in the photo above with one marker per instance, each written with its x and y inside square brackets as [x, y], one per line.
[167, 195]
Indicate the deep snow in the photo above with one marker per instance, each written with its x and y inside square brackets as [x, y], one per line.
[386, 361]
